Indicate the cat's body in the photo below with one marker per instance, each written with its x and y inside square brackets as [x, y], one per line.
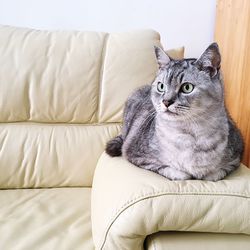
[180, 135]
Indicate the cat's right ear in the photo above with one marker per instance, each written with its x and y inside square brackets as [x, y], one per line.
[162, 58]
[210, 60]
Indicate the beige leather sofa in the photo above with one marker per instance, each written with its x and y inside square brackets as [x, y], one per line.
[61, 99]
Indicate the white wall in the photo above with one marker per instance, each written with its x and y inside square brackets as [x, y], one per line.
[180, 22]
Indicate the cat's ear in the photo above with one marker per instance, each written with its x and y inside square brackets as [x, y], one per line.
[210, 60]
[162, 58]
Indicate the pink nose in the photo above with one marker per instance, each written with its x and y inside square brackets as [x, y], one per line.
[167, 103]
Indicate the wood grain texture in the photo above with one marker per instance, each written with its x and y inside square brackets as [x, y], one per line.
[232, 32]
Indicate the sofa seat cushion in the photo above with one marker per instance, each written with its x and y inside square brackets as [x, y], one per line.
[51, 155]
[130, 203]
[57, 218]
[197, 241]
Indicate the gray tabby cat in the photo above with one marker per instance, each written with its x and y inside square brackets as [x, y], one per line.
[179, 126]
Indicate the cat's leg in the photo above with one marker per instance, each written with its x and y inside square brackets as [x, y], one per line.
[221, 173]
[218, 174]
[215, 175]
[173, 174]
[168, 172]
[164, 170]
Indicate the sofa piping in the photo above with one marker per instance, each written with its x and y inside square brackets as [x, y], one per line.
[163, 193]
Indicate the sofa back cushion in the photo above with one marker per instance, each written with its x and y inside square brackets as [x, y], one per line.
[61, 98]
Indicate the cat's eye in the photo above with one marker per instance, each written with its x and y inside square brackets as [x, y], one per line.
[187, 88]
[161, 87]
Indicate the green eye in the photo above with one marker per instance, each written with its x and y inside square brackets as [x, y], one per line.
[161, 87]
[187, 88]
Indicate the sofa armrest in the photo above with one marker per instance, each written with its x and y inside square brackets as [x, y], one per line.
[197, 241]
[129, 203]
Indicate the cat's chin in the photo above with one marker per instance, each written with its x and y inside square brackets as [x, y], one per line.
[171, 116]
[169, 112]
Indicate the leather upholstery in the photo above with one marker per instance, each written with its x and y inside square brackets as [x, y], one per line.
[49, 76]
[137, 203]
[71, 77]
[35, 155]
[197, 241]
[57, 218]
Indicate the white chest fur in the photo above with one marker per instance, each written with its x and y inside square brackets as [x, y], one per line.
[193, 149]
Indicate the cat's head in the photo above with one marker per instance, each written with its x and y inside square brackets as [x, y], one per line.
[185, 89]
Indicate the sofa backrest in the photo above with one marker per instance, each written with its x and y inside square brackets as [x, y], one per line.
[61, 99]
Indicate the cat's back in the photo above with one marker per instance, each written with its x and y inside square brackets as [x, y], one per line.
[140, 94]
[138, 124]
[139, 100]
[235, 145]
[137, 109]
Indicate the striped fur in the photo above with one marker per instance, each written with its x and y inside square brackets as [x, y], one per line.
[181, 135]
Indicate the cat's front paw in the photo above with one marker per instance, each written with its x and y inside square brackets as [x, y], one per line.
[181, 178]
[174, 174]
[215, 176]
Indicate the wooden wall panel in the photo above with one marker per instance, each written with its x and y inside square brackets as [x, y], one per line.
[232, 32]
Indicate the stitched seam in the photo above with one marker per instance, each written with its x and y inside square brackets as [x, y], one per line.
[163, 193]
[101, 76]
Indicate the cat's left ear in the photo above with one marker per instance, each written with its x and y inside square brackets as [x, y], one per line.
[210, 60]
[162, 58]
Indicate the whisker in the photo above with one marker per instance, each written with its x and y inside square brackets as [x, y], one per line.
[147, 120]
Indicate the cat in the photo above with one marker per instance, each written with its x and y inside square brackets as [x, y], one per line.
[179, 126]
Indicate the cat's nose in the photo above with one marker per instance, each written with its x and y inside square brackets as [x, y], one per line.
[167, 103]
